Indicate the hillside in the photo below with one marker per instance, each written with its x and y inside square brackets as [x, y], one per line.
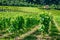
[12, 16]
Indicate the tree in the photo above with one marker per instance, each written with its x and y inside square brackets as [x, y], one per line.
[23, 2]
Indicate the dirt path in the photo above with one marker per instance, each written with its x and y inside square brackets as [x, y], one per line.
[56, 24]
[6, 35]
[28, 33]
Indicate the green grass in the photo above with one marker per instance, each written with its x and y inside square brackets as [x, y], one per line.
[7, 39]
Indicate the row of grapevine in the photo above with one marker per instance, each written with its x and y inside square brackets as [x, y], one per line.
[17, 23]
[21, 25]
[48, 27]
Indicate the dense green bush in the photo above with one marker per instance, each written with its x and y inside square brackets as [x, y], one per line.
[1, 24]
[17, 24]
[19, 21]
[45, 20]
[5, 22]
[31, 21]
